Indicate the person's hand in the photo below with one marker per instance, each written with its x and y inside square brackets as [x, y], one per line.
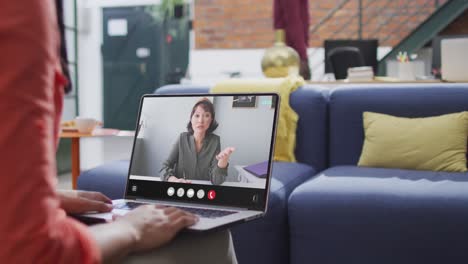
[179, 180]
[153, 226]
[223, 156]
[78, 202]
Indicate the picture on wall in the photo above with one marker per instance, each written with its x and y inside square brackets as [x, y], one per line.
[244, 101]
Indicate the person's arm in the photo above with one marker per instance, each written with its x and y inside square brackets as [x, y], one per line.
[79, 202]
[36, 229]
[146, 227]
[218, 170]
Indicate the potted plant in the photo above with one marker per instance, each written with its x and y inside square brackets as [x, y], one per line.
[172, 8]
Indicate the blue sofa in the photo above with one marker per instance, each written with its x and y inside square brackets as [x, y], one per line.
[325, 209]
[350, 214]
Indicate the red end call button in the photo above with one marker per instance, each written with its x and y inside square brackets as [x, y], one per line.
[211, 194]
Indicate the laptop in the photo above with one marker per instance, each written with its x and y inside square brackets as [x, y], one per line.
[454, 59]
[164, 150]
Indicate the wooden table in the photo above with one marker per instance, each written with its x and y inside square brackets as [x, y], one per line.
[75, 147]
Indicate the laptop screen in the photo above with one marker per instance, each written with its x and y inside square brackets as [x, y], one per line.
[209, 149]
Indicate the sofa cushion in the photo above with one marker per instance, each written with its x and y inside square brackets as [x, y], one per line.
[310, 103]
[267, 240]
[183, 89]
[347, 104]
[436, 143]
[109, 178]
[351, 214]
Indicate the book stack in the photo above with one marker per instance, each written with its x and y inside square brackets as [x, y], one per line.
[364, 73]
[259, 169]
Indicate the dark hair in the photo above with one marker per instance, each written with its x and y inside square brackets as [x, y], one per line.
[208, 107]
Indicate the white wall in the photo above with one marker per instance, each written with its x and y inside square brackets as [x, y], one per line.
[164, 120]
[69, 16]
[247, 129]
[211, 65]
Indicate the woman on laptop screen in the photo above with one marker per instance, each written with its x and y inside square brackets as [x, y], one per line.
[197, 155]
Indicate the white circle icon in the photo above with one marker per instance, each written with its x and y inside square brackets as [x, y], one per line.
[200, 194]
[190, 193]
[180, 192]
[170, 191]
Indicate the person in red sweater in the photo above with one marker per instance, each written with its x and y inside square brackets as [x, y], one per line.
[293, 17]
[34, 227]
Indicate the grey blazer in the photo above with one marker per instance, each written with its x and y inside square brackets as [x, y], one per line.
[185, 162]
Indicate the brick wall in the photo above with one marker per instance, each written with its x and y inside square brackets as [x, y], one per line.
[247, 24]
[233, 24]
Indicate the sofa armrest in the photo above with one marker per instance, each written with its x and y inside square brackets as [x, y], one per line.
[110, 179]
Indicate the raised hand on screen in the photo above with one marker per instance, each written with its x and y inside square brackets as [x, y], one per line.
[223, 156]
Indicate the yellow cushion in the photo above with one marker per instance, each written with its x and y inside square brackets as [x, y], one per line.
[431, 143]
[287, 121]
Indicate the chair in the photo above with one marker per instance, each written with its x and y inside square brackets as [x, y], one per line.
[342, 58]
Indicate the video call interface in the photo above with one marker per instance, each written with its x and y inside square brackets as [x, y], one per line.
[203, 149]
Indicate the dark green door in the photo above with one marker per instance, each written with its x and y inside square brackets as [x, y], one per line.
[131, 53]
[141, 52]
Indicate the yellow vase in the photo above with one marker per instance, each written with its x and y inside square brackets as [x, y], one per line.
[280, 60]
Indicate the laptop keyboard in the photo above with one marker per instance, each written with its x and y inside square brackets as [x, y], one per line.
[206, 213]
